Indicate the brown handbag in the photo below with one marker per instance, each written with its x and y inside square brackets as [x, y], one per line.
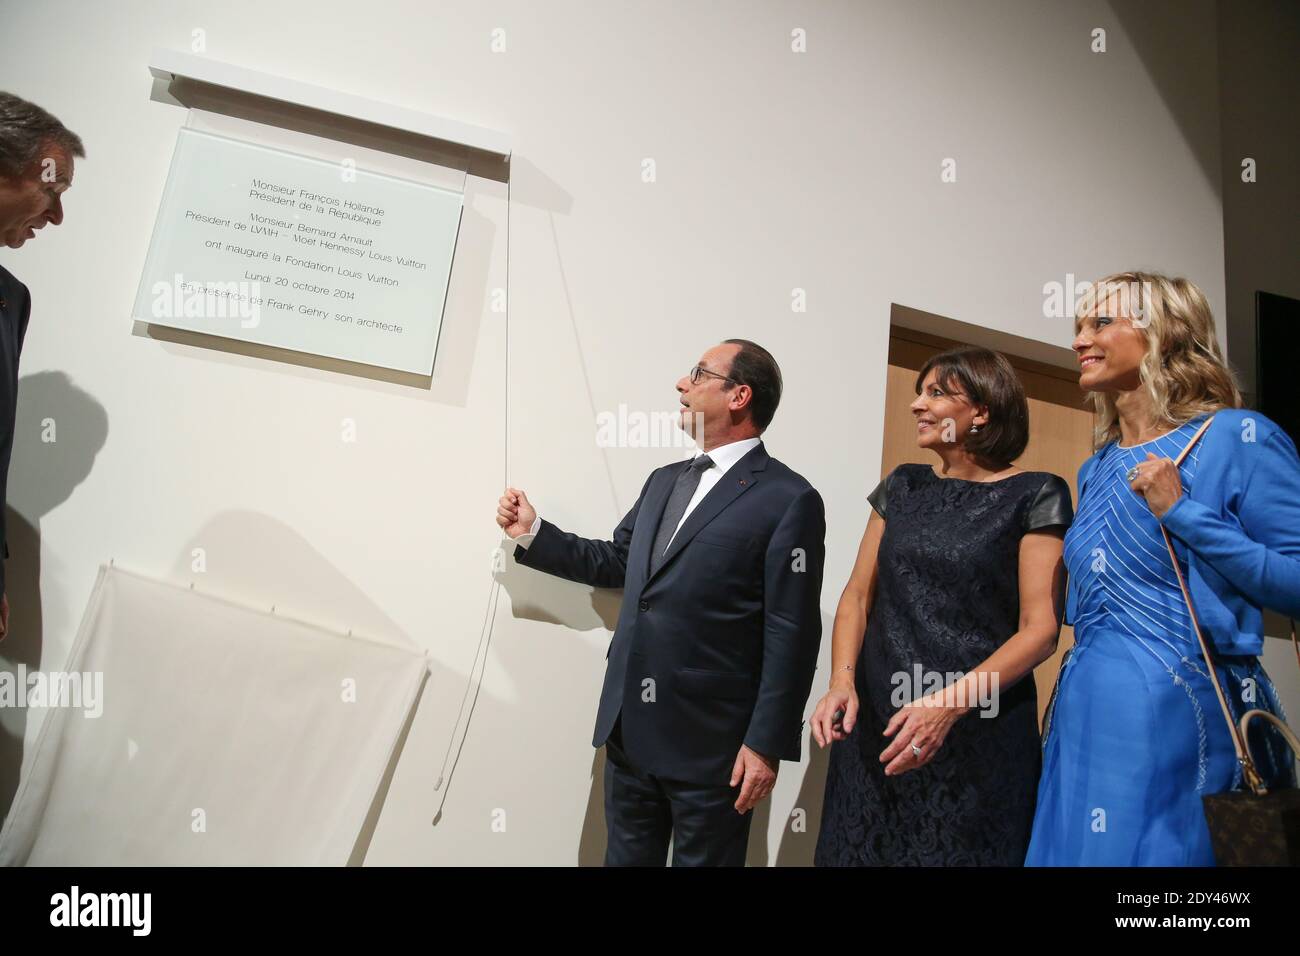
[1254, 826]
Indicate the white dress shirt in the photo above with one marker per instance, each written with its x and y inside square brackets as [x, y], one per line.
[723, 456]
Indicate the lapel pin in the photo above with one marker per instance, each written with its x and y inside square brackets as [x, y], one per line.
[742, 481]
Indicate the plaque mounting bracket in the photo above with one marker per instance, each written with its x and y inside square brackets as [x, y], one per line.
[169, 65]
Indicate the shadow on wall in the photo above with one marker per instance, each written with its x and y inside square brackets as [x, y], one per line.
[1181, 57]
[59, 429]
[539, 597]
[535, 596]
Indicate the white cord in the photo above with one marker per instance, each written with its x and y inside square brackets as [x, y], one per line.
[475, 682]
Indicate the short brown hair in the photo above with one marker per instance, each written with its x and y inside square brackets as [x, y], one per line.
[987, 378]
[754, 366]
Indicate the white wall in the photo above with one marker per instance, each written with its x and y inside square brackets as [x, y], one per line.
[775, 170]
[1258, 89]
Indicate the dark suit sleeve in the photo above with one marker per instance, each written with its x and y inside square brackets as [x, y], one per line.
[24, 312]
[600, 564]
[792, 627]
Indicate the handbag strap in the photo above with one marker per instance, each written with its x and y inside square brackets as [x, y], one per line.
[1248, 770]
[1287, 734]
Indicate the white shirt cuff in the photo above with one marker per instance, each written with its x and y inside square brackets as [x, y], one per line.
[524, 540]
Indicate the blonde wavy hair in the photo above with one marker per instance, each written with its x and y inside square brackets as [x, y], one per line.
[1183, 371]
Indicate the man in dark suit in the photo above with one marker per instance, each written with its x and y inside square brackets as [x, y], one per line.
[720, 561]
[36, 156]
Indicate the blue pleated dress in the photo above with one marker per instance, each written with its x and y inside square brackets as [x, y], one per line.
[1134, 735]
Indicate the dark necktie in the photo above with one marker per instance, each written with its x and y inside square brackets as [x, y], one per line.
[687, 481]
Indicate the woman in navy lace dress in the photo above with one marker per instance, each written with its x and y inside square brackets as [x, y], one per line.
[956, 595]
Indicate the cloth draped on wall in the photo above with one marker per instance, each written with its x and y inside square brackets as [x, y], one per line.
[226, 736]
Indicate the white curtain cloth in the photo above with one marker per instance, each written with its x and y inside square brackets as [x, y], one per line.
[228, 736]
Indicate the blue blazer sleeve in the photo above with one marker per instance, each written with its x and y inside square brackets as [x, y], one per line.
[1261, 559]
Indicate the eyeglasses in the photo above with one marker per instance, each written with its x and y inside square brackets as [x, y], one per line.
[697, 372]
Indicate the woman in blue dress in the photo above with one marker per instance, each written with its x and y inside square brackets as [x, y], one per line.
[1135, 734]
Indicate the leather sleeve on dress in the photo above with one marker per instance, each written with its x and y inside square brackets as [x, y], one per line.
[1051, 507]
[879, 496]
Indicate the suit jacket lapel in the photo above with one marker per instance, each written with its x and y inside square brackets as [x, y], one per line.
[738, 479]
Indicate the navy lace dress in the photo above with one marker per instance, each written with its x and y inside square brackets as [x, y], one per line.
[947, 596]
